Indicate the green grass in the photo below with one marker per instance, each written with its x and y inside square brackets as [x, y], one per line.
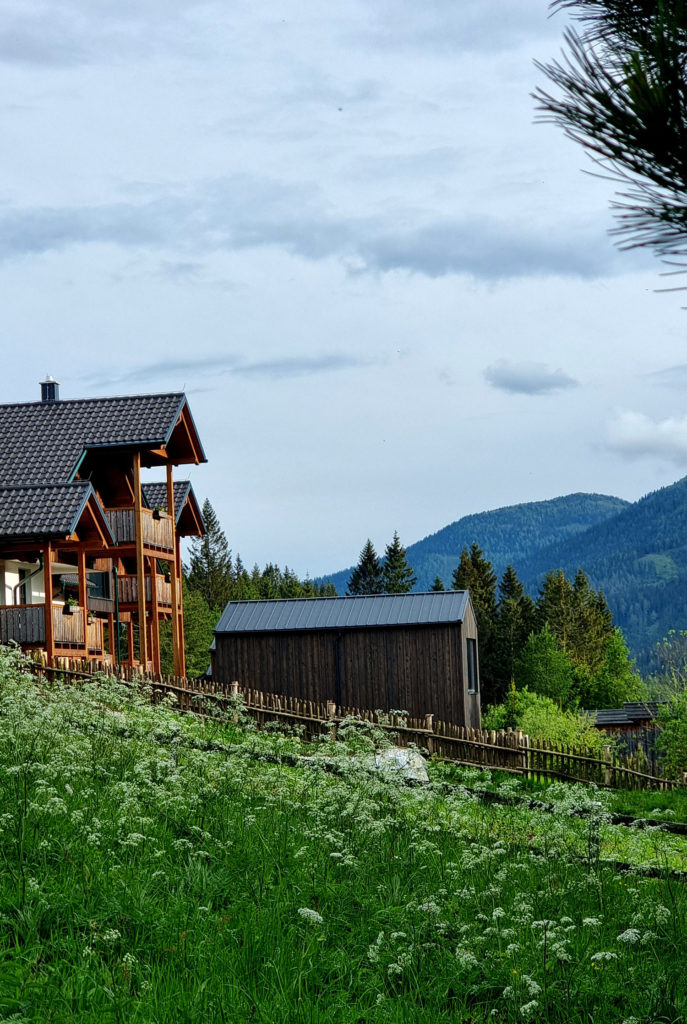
[155, 868]
[668, 805]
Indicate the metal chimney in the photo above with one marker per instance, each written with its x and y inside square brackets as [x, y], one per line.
[50, 390]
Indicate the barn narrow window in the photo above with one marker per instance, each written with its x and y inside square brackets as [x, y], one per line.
[472, 664]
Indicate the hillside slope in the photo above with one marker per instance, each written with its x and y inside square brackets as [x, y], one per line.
[507, 535]
[638, 558]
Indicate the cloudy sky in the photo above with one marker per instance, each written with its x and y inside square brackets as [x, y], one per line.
[389, 294]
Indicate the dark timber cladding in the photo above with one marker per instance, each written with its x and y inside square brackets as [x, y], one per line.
[411, 652]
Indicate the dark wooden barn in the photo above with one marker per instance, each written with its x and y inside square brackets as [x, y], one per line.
[410, 652]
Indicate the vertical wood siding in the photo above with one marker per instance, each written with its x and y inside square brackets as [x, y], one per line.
[418, 669]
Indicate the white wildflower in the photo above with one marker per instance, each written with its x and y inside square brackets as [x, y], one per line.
[311, 915]
[591, 922]
[498, 912]
[465, 957]
[630, 935]
[603, 956]
[528, 1009]
[531, 985]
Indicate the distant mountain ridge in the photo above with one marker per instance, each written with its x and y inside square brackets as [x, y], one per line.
[511, 534]
[635, 552]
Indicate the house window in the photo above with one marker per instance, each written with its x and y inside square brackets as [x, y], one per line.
[471, 652]
[99, 585]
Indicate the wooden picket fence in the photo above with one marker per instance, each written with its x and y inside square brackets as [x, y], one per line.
[509, 750]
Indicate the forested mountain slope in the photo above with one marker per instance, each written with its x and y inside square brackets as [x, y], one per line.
[638, 558]
[506, 535]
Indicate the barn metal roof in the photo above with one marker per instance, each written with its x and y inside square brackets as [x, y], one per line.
[343, 612]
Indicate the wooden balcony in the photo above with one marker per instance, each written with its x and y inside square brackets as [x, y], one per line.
[157, 531]
[25, 624]
[128, 591]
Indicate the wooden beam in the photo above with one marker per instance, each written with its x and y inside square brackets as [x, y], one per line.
[140, 563]
[182, 647]
[155, 621]
[177, 635]
[83, 598]
[47, 586]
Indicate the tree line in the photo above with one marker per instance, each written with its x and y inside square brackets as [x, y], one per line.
[562, 645]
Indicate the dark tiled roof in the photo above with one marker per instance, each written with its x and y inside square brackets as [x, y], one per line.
[343, 612]
[155, 495]
[44, 441]
[48, 511]
[631, 713]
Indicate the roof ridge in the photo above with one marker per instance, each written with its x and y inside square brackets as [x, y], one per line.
[343, 597]
[83, 401]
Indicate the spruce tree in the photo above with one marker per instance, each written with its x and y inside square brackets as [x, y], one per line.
[476, 574]
[367, 577]
[210, 570]
[515, 617]
[438, 585]
[398, 576]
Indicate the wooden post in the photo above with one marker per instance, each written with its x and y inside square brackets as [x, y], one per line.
[130, 639]
[177, 634]
[83, 597]
[111, 637]
[140, 563]
[49, 626]
[180, 591]
[155, 622]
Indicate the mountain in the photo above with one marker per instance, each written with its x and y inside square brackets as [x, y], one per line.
[635, 552]
[638, 558]
[506, 535]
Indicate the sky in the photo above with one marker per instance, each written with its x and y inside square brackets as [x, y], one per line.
[388, 292]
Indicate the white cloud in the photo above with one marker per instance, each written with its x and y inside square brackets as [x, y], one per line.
[635, 435]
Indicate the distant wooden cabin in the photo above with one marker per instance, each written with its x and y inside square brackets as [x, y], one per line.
[411, 652]
[633, 715]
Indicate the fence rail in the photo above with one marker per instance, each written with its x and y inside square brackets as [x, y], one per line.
[509, 750]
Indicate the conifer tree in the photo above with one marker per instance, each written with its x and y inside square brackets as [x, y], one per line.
[367, 577]
[515, 616]
[475, 573]
[438, 585]
[210, 570]
[397, 575]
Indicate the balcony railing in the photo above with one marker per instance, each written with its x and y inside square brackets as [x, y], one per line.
[128, 590]
[25, 624]
[157, 531]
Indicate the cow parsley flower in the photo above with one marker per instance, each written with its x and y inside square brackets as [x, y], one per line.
[311, 915]
[630, 935]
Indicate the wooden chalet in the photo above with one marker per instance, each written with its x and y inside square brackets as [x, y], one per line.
[410, 652]
[90, 560]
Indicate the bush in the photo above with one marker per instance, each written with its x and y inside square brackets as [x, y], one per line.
[672, 740]
[542, 719]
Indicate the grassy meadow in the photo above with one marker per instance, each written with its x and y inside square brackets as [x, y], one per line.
[165, 868]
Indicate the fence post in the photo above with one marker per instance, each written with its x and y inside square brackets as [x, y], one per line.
[607, 770]
[429, 725]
